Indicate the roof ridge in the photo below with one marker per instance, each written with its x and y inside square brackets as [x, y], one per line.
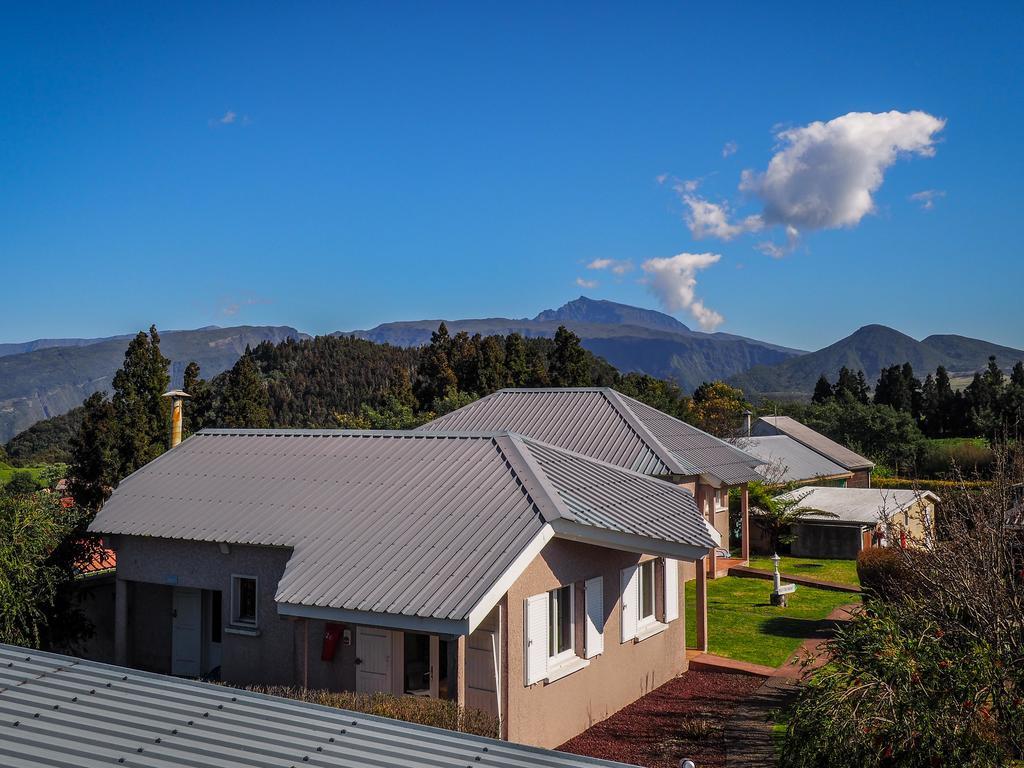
[616, 399]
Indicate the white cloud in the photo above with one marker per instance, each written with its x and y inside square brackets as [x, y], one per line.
[228, 118]
[707, 219]
[617, 266]
[586, 283]
[661, 178]
[672, 281]
[730, 148]
[823, 175]
[927, 197]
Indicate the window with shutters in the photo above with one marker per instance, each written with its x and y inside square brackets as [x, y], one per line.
[561, 623]
[647, 600]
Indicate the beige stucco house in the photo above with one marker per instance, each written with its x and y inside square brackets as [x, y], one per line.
[510, 575]
[605, 424]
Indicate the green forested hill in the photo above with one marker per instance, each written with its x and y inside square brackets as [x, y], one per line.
[870, 349]
[51, 381]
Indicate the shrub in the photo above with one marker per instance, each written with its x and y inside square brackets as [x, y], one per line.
[881, 571]
[439, 713]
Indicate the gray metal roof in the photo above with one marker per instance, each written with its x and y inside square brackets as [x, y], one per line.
[62, 711]
[785, 425]
[606, 425]
[790, 461]
[414, 524]
[859, 505]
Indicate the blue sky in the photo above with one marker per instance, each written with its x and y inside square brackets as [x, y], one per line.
[336, 165]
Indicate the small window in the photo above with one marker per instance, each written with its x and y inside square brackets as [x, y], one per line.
[647, 591]
[243, 600]
[560, 622]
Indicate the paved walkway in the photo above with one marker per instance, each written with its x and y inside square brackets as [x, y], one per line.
[748, 734]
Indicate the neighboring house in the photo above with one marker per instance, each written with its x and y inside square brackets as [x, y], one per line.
[607, 425]
[864, 517]
[488, 568]
[789, 461]
[853, 462]
[64, 711]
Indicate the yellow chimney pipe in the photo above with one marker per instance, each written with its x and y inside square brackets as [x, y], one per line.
[177, 403]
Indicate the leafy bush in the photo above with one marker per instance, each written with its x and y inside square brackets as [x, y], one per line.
[881, 571]
[935, 486]
[939, 457]
[438, 713]
[898, 693]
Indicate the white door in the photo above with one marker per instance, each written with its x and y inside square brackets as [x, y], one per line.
[186, 632]
[373, 660]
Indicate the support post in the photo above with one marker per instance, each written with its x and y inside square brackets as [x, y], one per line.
[460, 670]
[745, 524]
[702, 607]
[120, 622]
[305, 654]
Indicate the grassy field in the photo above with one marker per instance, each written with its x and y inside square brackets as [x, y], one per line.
[7, 472]
[743, 625]
[839, 571]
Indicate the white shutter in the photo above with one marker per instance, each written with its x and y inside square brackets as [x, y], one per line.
[629, 582]
[594, 594]
[671, 589]
[535, 656]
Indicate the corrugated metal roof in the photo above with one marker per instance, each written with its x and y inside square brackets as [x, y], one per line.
[582, 420]
[785, 425]
[416, 524]
[859, 505]
[606, 425]
[793, 461]
[62, 711]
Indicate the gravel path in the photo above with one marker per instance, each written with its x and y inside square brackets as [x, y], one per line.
[685, 718]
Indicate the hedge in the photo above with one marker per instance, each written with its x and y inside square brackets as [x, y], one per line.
[935, 486]
[439, 713]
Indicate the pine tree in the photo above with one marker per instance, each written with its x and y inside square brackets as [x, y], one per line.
[92, 472]
[244, 401]
[822, 390]
[517, 368]
[491, 373]
[568, 365]
[141, 411]
[863, 391]
[437, 378]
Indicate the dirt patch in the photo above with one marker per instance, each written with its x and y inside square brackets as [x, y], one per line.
[684, 718]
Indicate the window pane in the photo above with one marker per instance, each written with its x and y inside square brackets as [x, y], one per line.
[647, 589]
[247, 600]
[559, 621]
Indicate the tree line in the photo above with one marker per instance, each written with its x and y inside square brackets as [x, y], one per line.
[991, 406]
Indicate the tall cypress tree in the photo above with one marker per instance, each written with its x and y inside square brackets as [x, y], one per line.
[822, 390]
[517, 367]
[437, 378]
[568, 364]
[92, 472]
[141, 411]
[244, 400]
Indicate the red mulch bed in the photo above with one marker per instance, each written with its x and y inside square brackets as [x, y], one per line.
[684, 718]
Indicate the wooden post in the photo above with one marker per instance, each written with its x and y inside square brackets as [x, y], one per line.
[121, 622]
[702, 608]
[435, 665]
[460, 670]
[745, 525]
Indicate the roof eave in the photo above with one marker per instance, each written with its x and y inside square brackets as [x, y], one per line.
[428, 624]
[629, 542]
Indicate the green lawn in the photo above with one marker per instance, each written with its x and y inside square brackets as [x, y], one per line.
[743, 625]
[7, 472]
[840, 571]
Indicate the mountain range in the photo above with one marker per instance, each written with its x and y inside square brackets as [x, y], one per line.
[51, 378]
[870, 349]
[48, 377]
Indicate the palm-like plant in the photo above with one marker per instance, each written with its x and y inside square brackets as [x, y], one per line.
[775, 510]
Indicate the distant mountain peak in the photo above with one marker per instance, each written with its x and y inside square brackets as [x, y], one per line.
[587, 310]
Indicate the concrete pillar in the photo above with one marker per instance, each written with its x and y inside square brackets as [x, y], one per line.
[121, 622]
[702, 607]
[745, 525]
